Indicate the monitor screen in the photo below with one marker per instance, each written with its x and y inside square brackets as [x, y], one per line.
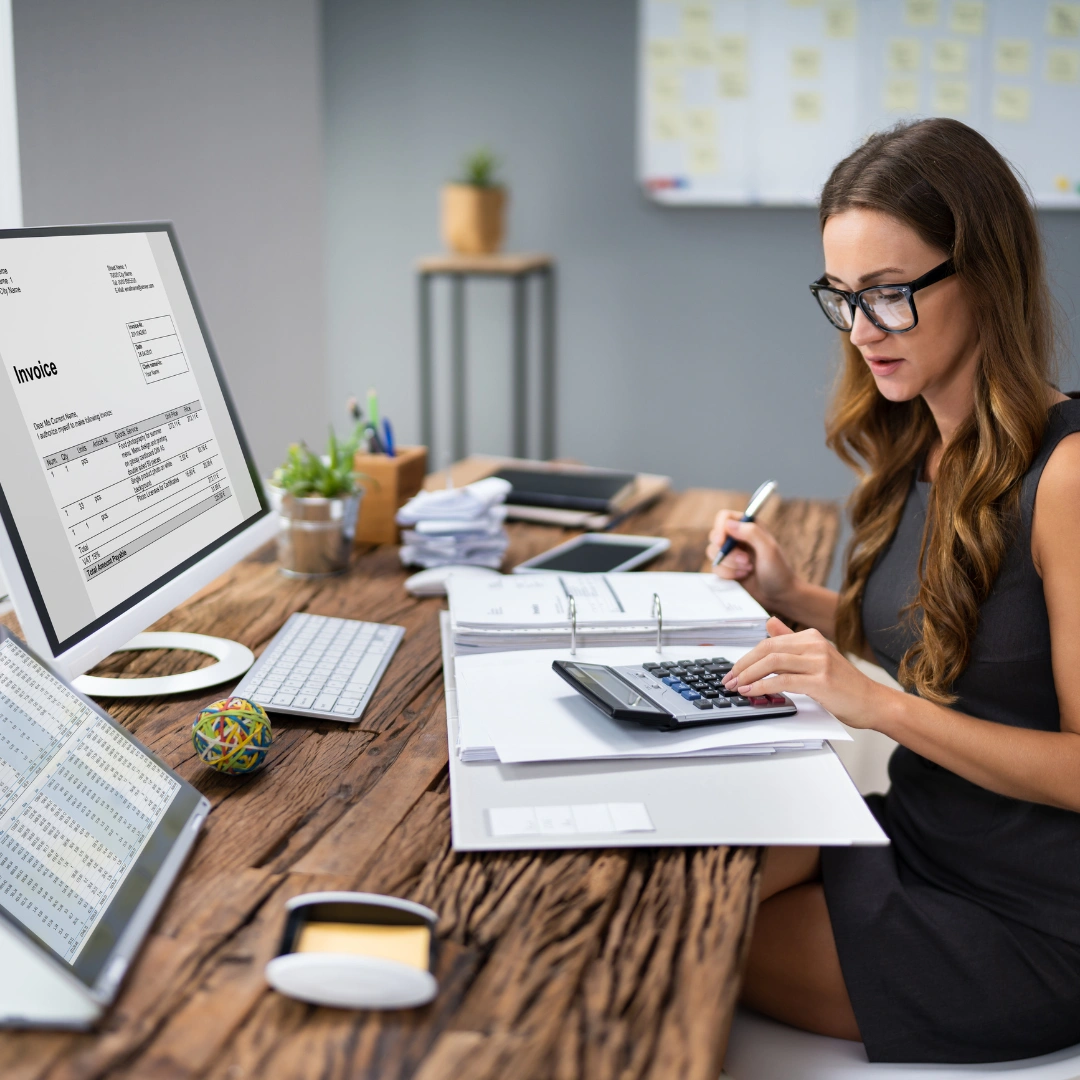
[121, 461]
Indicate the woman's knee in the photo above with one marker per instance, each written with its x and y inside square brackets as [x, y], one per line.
[786, 867]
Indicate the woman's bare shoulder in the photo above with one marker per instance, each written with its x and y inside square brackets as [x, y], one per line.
[1056, 521]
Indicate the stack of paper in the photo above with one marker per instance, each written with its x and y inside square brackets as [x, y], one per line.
[457, 526]
[532, 611]
[514, 708]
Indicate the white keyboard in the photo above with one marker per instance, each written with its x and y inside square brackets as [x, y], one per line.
[320, 666]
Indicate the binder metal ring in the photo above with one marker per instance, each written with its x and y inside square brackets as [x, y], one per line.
[573, 626]
[658, 615]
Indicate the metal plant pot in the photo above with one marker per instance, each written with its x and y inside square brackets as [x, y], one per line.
[315, 535]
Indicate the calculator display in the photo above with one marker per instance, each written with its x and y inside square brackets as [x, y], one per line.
[600, 680]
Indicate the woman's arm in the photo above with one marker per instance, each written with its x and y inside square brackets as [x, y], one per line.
[759, 564]
[1039, 766]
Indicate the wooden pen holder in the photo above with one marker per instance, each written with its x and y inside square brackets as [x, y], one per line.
[388, 483]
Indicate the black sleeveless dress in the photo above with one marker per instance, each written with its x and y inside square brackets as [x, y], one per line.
[960, 942]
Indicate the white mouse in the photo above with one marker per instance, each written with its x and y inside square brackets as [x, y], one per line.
[433, 582]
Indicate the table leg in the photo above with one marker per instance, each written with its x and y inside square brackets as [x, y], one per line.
[425, 373]
[520, 390]
[547, 364]
[457, 363]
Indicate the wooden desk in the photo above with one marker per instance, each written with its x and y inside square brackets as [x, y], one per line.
[555, 965]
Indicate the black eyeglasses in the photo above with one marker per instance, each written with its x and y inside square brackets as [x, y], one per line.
[889, 307]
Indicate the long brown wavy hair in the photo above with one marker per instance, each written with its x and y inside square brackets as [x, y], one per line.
[948, 183]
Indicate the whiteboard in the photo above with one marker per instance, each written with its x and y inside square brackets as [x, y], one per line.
[10, 186]
[754, 101]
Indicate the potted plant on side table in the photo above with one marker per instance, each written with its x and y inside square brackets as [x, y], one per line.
[474, 209]
[318, 500]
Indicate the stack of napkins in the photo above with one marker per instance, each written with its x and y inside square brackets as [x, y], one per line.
[515, 709]
[456, 527]
[532, 611]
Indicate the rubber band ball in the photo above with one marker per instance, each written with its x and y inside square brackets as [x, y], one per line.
[232, 735]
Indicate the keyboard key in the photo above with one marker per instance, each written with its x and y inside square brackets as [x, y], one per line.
[325, 702]
[350, 704]
[703, 703]
[721, 703]
[283, 699]
[342, 710]
[740, 700]
[710, 694]
[303, 701]
[691, 695]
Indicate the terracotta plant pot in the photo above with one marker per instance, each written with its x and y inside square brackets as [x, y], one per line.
[315, 535]
[473, 218]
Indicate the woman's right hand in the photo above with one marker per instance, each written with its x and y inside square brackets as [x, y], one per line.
[756, 561]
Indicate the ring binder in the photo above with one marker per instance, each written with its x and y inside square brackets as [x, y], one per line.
[658, 615]
[573, 626]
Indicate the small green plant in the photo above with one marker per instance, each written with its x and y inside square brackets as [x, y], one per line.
[330, 475]
[480, 167]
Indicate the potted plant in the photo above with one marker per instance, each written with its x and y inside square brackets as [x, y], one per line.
[318, 500]
[474, 209]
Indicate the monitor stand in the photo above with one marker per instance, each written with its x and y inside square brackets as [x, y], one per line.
[233, 659]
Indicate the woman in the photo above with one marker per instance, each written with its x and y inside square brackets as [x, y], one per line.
[960, 942]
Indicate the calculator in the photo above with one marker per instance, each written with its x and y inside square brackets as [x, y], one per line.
[670, 695]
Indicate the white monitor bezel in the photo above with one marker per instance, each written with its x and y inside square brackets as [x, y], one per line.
[81, 651]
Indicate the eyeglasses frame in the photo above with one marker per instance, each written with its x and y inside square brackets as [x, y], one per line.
[909, 288]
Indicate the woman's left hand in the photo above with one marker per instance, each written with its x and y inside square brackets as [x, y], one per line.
[808, 663]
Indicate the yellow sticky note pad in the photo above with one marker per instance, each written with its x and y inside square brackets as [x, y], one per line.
[806, 106]
[734, 84]
[950, 57]
[666, 87]
[967, 16]
[409, 945]
[1063, 20]
[699, 52]
[703, 159]
[805, 63]
[1012, 103]
[904, 54]
[731, 51]
[840, 18]
[921, 12]
[901, 95]
[700, 123]
[1063, 66]
[952, 97]
[1012, 56]
[662, 52]
[697, 20]
[666, 125]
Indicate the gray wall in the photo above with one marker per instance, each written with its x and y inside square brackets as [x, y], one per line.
[209, 114]
[688, 342]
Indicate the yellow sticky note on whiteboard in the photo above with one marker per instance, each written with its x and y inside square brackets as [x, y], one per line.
[731, 51]
[1012, 56]
[949, 57]
[806, 106]
[805, 63]
[904, 54]
[1012, 103]
[1063, 20]
[952, 97]
[921, 12]
[967, 16]
[840, 18]
[703, 159]
[666, 125]
[699, 52]
[665, 87]
[734, 84]
[662, 52]
[1063, 66]
[697, 20]
[700, 123]
[901, 95]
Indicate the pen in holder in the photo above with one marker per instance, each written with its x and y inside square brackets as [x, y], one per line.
[658, 615]
[573, 627]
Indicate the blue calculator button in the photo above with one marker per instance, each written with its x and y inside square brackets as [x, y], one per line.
[690, 695]
[679, 686]
[669, 680]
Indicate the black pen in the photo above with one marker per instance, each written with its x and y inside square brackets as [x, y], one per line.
[757, 500]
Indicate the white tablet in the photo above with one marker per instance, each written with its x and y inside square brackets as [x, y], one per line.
[597, 553]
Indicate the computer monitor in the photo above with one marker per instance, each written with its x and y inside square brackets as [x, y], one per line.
[125, 480]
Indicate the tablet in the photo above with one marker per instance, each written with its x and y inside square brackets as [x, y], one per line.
[597, 553]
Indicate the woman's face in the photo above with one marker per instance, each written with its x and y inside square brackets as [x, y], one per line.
[938, 358]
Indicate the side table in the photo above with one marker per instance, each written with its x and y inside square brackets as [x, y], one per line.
[518, 270]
